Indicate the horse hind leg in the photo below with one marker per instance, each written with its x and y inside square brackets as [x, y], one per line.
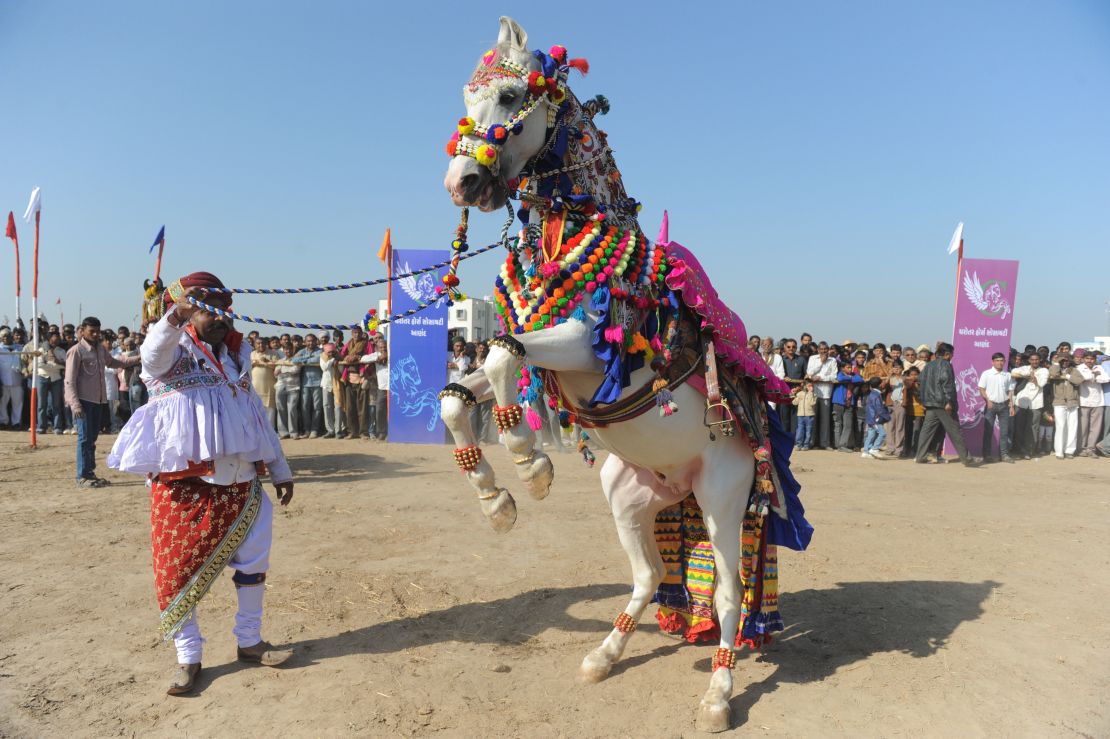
[721, 491]
[456, 404]
[635, 497]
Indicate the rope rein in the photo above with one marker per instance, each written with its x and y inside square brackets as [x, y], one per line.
[448, 295]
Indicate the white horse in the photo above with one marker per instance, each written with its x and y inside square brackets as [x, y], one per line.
[657, 459]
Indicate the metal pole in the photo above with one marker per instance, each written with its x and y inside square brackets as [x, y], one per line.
[35, 339]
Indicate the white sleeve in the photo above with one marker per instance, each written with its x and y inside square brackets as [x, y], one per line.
[159, 349]
[983, 381]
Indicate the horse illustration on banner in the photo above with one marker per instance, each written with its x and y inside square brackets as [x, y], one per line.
[627, 338]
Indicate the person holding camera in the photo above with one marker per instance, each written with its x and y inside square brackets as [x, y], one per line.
[1065, 380]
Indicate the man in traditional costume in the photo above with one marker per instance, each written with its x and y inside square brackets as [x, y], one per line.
[204, 438]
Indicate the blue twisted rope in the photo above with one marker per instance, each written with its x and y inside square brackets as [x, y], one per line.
[332, 288]
[329, 288]
[317, 326]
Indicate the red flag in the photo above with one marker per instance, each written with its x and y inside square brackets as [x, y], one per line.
[11, 227]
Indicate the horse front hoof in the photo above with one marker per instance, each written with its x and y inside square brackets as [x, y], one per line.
[502, 514]
[539, 476]
[594, 669]
[712, 718]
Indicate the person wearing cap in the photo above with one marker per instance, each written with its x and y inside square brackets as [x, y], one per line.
[87, 395]
[1064, 380]
[204, 439]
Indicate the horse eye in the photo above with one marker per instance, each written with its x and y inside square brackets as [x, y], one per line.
[507, 97]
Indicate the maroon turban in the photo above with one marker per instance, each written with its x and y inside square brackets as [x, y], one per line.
[197, 279]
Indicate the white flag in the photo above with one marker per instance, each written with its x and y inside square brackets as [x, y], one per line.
[34, 206]
[957, 237]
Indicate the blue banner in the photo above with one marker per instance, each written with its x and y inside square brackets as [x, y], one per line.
[417, 350]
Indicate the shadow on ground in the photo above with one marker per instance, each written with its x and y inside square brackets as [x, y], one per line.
[833, 628]
[828, 629]
[350, 467]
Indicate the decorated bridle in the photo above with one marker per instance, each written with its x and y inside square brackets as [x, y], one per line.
[545, 86]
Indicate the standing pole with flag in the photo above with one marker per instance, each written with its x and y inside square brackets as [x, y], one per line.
[35, 208]
[956, 245]
[11, 234]
[160, 242]
[386, 255]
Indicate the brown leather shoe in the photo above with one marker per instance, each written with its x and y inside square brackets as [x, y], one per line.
[263, 653]
[184, 679]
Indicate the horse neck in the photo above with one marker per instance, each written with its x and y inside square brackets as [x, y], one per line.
[587, 162]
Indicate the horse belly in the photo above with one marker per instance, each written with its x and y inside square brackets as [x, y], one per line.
[671, 445]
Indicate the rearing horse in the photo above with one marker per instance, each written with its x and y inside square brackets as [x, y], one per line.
[617, 327]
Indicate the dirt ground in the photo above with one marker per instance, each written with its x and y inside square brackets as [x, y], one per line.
[934, 601]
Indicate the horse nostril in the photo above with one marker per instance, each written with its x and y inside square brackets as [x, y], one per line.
[469, 182]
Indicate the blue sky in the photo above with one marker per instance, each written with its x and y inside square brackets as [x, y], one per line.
[816, 156]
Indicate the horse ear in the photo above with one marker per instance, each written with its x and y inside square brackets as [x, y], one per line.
[512, 34]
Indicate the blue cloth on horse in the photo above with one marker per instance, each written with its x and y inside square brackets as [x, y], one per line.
[795, 531]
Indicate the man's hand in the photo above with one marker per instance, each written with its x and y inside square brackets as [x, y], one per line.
[79, 413]
[185, 309]
[284, 491]
[948, 407]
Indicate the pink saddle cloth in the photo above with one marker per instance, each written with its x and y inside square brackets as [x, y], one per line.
[730, 338]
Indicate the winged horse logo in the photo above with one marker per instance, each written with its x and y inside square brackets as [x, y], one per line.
[988, 300]
[421, 289]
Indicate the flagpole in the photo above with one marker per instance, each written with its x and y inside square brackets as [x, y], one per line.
[15, 240]
[35, 335]
[158, 264]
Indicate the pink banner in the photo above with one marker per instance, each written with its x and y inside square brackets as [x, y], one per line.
[984, 317]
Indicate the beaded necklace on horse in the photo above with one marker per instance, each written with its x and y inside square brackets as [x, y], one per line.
[581, 240]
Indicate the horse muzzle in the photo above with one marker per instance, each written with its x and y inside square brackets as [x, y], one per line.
[471, 184]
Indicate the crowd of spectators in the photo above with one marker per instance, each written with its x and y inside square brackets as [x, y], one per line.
[878, 401]
[901, 402]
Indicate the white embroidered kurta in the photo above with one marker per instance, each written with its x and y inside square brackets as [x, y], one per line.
[197, 414]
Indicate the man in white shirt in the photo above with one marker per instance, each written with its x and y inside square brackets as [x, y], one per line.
[821, 369]
[1028, 405]
[458, 363]
[1090, 404]
[11, 381]
[997, 388]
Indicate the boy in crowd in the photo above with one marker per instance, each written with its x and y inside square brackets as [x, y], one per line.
[877, 415]
[805, 403]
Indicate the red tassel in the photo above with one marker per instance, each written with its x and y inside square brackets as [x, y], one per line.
[534, 420]
[581, 65]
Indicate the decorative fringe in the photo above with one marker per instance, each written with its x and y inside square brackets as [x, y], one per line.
[664, 400]
[552, 402]
[579, 314]
[599, 299]
[581, 65]
[534, 420]
[639, 343]
[656, 344]
[615, 334]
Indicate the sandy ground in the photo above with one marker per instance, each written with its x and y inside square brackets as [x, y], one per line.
[934, 601]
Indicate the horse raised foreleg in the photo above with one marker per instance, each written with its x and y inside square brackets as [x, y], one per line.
[502, 366]
[721, 490]
[635, 496]
[455, 407]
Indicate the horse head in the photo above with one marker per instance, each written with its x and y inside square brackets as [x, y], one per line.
[500, 132]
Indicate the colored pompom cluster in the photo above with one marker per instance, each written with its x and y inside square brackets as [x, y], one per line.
[497, 134]
[466, 126]
[486, 155]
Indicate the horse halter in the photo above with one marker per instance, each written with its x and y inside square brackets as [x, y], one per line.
[484, 143]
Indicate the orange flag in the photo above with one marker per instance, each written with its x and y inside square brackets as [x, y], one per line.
[387, 246]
